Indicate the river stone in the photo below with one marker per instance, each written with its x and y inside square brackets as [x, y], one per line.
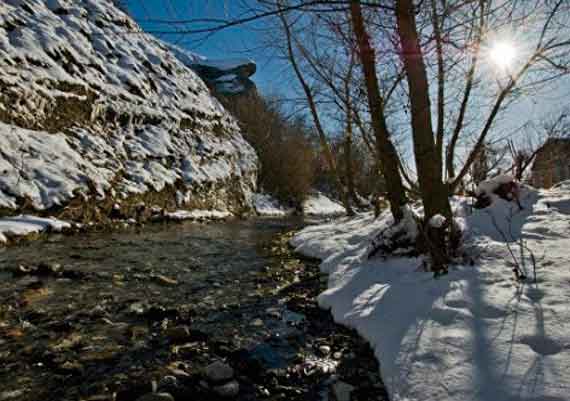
[168, 382]
[178, 334]
[230, 389]
[342, 391]
[165, 281]
[156, 397]
[219, 372]
[324, 350]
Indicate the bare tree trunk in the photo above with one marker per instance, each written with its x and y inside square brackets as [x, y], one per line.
[428, 161]
[316, 119]
[434, 193]
[349, 170]
[388, 158]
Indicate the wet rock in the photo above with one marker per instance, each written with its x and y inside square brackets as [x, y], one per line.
[45, 269]
[11, 395]
[178, 334]
[133, 391]
[228, 390]
[293, 318]
[264, 357]
[167, 381]
[138, 308]
[324, 350]
[156, 313]
[156, 397]
[165, 281]
[179, 374]
[73, 368]
[219, 372]
[342, 391]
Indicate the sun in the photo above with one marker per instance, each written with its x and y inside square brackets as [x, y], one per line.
[503, 54]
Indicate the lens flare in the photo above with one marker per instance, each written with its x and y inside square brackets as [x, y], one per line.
[503, 54]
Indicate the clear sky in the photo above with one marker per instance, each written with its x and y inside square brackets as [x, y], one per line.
[241, 41]
[273, 76]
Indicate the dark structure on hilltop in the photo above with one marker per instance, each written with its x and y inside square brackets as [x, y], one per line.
[552, 163]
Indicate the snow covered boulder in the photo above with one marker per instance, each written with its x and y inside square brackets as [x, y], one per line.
[318, 204]
[266, 205]
[502, 186]
[24, 225]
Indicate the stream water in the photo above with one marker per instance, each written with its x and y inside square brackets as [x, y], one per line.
[115, 316]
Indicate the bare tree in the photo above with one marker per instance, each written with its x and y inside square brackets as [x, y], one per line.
[310, 97]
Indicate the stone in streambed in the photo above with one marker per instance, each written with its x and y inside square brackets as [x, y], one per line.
[342, 391]
[219, 372]
[165, 281]
[156, 397]
[178, 334]
[228, 390]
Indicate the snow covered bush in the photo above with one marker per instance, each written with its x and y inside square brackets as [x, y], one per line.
[502, 186]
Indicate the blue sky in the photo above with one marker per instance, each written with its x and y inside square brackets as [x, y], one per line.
[273, 76]
[242, 41]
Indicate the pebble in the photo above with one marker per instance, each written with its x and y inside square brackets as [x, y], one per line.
[168, 382]
[342, 391]
[11, 395]
[324, 350]
[219, 371]
[257, 323]
[178, 334]
[337, 355]
[230, 389]
[156, 397]
[163, 280]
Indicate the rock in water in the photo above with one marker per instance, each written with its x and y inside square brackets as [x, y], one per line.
[219, 372]
[165, 281]
[342, 391]
[156, 397]
[324, 350]
[228, 390]
[178, 334]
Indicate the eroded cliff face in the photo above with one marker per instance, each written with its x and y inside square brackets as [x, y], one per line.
[93, 111]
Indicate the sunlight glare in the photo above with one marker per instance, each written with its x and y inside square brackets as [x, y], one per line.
[503, 54]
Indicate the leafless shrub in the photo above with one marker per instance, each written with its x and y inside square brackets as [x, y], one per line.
[518, 249]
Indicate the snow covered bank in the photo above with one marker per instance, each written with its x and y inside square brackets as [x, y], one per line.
[474, 334]
[181, 215]
[315, 205]
[23, 225]
[267, 205]
[320, 205]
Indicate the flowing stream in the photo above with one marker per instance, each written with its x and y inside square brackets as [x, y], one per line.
[110, 315]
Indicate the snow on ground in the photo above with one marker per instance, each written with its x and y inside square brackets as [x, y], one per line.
[19, 226]
[319, 205]
[266, 205]
[197, 214]
[474, 334]
[487, 187]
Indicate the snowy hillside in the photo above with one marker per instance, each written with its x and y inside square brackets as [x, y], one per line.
[90, 106]
[476, 333]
